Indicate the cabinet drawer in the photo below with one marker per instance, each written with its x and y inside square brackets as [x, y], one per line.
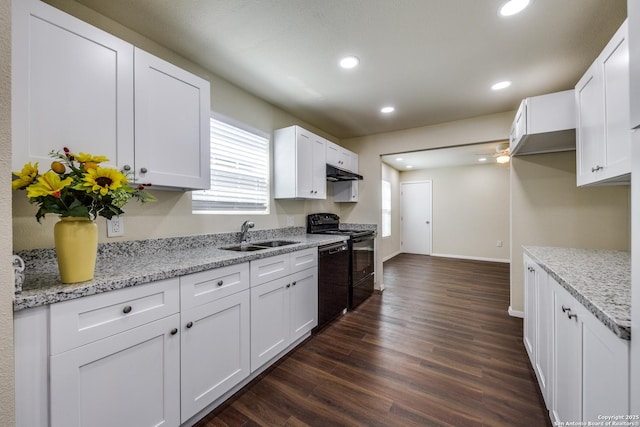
[267, 269]
[84, 320]
[301, 260]
[201, 288]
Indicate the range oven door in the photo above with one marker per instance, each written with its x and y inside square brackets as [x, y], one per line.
[362, 270]
[362, 258]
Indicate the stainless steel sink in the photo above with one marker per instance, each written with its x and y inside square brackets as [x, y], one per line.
[259, 246]
[274, 243]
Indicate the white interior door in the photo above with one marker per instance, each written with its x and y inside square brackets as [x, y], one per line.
[415, 217]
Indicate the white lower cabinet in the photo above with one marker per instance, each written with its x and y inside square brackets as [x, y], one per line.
[581, 366]
[215, 335]
[115, 358]
[128, 379]
[284, 309]
[161, 353]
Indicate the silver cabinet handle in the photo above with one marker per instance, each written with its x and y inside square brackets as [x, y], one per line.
[288, 285]
[293, 284]
[565, 309]
[220, 282]
[174, 331]
[189, 325]
[572, 315]
[126, 309]
[596, 168]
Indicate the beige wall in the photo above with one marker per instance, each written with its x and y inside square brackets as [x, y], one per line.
[6, 273]
[391, 245]
[470, 210]
[547, 209]
[494, 127]
[171, 215]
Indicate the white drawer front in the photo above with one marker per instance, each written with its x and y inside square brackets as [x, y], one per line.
[306, 258]
[201, 288]
[84, 320]
[271, 268]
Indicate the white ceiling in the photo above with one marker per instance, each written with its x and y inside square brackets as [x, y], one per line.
[466, 155]
[434, 60]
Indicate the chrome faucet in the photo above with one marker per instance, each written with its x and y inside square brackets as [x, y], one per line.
[244, 229]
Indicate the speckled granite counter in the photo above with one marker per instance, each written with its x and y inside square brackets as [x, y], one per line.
[123, 264]
[599, 279]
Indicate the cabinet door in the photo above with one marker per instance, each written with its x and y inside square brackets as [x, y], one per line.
[305, 168]
[304, 302]
[590, 136]
[633, 11]
[567, 359]
[519, 124]
[215, 351]
[172, 135]
[544, 333]
[319, 168]
[72, 86]
[615, 76]
[605, 371]
[129, 379]
[530, 309]
[338, 156]
[345, 191]
[269, 320]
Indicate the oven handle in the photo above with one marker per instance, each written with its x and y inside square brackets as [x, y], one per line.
[363, 238]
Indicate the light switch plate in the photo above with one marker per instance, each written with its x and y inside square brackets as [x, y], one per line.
[115, 227]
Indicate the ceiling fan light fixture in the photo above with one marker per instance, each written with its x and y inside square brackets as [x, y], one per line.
[349, 62]
[501, 85]
[513, 7]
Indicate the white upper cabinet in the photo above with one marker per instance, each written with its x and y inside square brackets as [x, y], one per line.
[172, 124]
[544, 124]
[299, 164]
[633, 10]
[603, 125]
[73, 86]
[341, 157]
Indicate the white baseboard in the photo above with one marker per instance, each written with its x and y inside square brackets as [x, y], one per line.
[387, 258]
[474, 258]
[515, 313]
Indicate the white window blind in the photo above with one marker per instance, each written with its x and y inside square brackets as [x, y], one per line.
[386, 209]
[239, 171]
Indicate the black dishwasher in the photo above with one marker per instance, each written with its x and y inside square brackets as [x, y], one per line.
[333, 282]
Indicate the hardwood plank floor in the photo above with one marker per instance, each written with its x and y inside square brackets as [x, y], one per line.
[436, 348]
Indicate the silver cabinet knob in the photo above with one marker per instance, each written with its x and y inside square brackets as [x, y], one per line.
[126, 309]
[189, 325]
[126, 168]
[220, 282]
[288, 285]
[174, 331]
[143, 170]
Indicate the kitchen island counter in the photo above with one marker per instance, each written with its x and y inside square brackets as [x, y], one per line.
[124, 264]
[599, 279]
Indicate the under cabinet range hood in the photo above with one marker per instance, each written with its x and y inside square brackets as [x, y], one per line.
[336, 174]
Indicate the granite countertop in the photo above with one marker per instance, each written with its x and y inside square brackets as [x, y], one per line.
[124, 264]
[599, 279]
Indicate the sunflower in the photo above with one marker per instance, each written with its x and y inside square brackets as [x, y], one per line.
[88, 158]
[25, 177]
[102, 180]
[48, 184]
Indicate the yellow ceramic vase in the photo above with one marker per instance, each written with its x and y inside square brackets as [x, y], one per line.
[76, 241]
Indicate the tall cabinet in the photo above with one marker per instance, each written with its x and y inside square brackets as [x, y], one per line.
[77, 86]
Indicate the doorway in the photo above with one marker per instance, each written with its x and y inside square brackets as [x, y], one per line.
[415, 217]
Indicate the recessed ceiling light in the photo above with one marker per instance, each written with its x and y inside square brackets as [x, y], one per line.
[503, 159]
[482, 159]
[387, 110]
[349, 62]
[398, 159]
[501, 85]
[513, 6]
[409, 166]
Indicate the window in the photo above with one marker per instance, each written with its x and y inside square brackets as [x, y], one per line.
[386, 209]
[239, 171]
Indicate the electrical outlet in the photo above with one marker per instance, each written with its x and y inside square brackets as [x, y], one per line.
[115, 227]
[499, 243]
[290, 222]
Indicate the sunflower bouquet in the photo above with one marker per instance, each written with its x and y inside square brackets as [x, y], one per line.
[77, 186]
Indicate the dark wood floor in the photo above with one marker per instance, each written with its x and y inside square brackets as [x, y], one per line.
[437, 348]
